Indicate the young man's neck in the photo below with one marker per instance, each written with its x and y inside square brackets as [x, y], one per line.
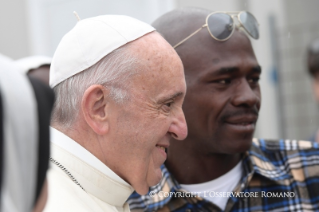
[191, 167]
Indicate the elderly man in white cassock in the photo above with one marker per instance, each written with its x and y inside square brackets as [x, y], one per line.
[119, 91]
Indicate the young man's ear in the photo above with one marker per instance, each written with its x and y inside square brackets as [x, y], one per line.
[94, 108]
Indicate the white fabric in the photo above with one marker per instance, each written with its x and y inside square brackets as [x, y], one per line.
[66, 143]
[209, 190]
[4, 57]
[32, 62]
[20, 139]
[102, 192]
[90, 40]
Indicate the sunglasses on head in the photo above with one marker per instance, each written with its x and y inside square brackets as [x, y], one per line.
[221, 25]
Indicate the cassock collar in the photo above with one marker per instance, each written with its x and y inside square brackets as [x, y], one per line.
[93, 175]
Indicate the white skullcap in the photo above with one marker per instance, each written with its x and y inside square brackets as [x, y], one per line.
[32, 62]
[90, 40]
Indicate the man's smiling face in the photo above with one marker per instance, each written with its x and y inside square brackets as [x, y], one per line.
[142, 127]
[223, 95]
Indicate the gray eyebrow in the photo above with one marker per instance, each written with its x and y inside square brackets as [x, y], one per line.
[173, 96]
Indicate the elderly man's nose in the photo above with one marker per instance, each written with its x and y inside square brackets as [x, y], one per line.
[178, 128]
[245, 95]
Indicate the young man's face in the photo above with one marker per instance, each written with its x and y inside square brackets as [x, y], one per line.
[223, 94]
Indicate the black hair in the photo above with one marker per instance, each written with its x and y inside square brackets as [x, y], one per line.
[313, 58]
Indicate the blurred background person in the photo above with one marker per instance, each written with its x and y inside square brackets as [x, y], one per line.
[37, 66]
[25, 110]
[313, 69]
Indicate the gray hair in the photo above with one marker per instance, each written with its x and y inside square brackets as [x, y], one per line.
[113, 71]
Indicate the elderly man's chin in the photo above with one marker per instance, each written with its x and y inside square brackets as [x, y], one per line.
[153, 178]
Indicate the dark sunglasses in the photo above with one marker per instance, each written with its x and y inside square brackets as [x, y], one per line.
[220, 25]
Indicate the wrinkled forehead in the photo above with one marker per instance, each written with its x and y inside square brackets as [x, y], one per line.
[157, 60]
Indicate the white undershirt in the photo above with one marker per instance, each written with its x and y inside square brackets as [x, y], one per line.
[66, 143]
[209, 190]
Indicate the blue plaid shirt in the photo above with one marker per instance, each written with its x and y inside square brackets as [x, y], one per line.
[284, 176]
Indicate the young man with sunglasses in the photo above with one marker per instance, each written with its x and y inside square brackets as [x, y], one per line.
[219, 166]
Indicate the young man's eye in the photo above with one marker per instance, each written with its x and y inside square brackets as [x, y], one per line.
[254, 80]
[224, 81]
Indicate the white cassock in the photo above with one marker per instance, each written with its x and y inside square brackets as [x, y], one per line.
[79, 182]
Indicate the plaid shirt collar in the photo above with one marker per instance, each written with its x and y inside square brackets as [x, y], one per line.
[257, 161]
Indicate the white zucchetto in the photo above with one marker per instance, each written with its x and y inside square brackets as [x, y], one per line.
[92, 39]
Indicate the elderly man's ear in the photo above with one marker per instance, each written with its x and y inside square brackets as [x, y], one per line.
[95, 103]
